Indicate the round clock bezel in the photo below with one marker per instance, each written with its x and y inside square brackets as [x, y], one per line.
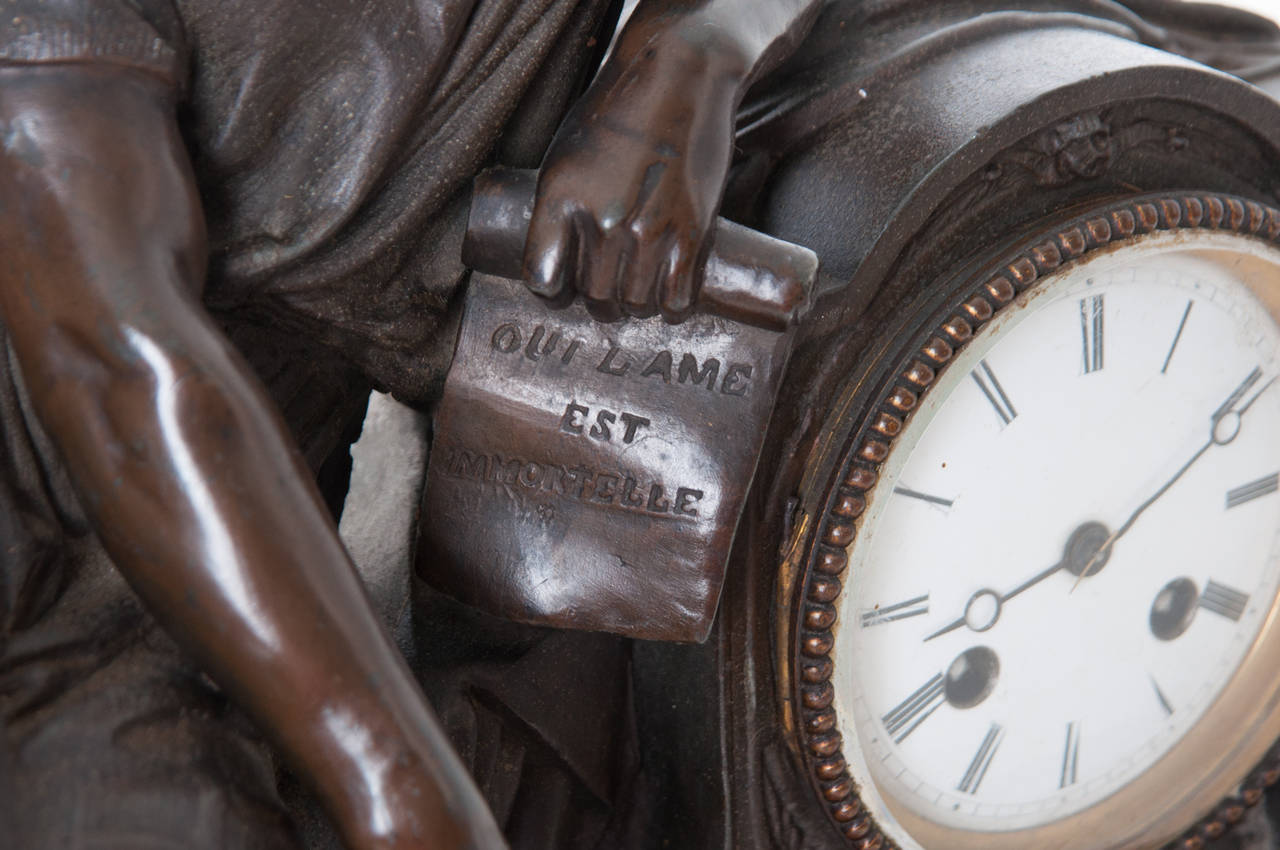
[980, 297]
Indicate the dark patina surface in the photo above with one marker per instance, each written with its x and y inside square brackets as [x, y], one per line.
[223, 222]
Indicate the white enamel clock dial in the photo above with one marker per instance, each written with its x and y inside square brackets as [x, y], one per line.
[1070, 555]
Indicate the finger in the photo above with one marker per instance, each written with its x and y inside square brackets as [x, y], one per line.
[602, 263]
[549, 250]
[645, 273]
[680, 280]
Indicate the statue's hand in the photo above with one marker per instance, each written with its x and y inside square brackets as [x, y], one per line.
[630, 188]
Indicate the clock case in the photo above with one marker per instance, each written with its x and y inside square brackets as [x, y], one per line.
[940, 149]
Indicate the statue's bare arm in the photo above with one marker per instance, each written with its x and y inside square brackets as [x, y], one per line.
[631, 186]
[187, 473]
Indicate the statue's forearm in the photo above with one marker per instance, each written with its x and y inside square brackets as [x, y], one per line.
[182, 464]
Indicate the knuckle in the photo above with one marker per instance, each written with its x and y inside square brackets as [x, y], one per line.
[647, 229]
[616, 235]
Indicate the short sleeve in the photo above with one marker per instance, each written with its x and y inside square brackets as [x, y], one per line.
[143, 34]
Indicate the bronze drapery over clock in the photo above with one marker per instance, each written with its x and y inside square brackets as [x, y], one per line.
[977, 553]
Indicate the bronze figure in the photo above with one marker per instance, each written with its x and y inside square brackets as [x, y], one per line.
[223, 223]
[298, 152]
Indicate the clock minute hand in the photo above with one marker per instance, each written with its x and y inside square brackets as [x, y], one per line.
[1224, 425]
[1089, 546]
[1080, 551]
[1036, 579]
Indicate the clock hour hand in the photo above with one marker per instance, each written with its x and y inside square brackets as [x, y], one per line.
[1224, 426]
[1084, 549]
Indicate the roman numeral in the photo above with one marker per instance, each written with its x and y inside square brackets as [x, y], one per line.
[1164, 700]
[1070, 756]
[907, 716]
[924, 497]
[991, 388]
[1223, 600]
[1177, 336]
[981, 761]
[1254, 489]
[897, 611]
[1091, 311]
